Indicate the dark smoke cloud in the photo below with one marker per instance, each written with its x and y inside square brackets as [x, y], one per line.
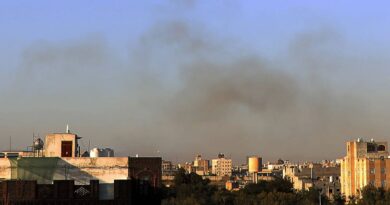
[247, 105]
[183, 91]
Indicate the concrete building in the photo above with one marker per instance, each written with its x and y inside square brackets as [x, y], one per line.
[201, 166]
[221, 166]
[61, 161]
[312, 175]
[81, 169]
[168, 168]
[187, 166]
[366, 163]
[62, 145]
[16, 154]
[240, 170]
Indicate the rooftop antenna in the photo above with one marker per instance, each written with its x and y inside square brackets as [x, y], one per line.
[67, 129]
[32, 147]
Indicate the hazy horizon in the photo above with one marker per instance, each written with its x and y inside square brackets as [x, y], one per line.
[176, 78]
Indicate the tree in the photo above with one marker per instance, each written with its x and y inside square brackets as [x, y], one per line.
[276, 185]
[190, 189]
[338, 199]
[373, 196]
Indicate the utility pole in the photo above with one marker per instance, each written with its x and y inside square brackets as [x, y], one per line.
[320, 198]
[10, 142]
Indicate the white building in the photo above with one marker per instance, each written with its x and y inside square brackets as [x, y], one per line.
[221, 166]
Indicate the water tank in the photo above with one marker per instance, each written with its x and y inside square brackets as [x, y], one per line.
[254, 164]
[95, 152]
[38, 144]
[106, 152]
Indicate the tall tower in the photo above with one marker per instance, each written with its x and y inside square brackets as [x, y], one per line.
[254, 167]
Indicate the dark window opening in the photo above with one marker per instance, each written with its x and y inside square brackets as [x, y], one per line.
[370, 148]
[381, 148]
[66, 149]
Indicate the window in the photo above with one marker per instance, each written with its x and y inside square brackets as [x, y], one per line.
[66, 149]
[381, 148]
[370, 147]
[372, 170]
[12, 155]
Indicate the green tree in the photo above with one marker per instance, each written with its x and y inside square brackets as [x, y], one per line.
[190, 189]
[338, 199]
[373, 196]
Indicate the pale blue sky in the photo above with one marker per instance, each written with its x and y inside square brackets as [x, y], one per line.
[264, 25]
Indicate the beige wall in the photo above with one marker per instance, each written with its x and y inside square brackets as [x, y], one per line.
[221, 167]
[53, 144]
[104, 169]
[81, 170]
[5, 168]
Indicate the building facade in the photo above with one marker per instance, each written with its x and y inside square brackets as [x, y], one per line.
[315, 175]
[221, 166]
[168, 168]
[366, 163]
[202, 166]
[61, 145]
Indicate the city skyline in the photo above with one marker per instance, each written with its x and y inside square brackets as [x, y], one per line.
[281, 80]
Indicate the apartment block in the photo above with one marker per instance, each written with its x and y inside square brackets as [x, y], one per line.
[366, 163]
[221, 166]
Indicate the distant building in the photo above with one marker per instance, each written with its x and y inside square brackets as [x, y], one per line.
[188, 167]
[201, 166]
[240, 170]
[168, 168]
[231, 186]
[366, 163]
[146, 169]
[221, 166]
[312, 175]
[101, 152]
